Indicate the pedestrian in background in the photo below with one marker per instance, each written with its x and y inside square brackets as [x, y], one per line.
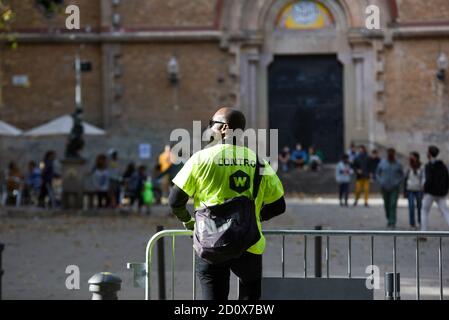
[389, 175]
[157, 191]
[48, 175]
[414, 179]
[315, 159]
[361, 168]
[165, 163]
[114, 178]
[299, 157]
[284, 158]
[100, 180]
[126, 178]
[175, 166]
[14, 184]
[374, 161]
[352, 153]
[343, 174]
[436, 186]
[136, 186]
[33, 182]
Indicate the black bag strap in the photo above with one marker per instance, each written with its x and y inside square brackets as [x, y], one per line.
[257, 179]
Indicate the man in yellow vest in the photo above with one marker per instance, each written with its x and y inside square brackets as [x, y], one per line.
[214, 175]
[164, 165]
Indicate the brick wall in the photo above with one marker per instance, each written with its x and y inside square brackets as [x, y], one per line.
[50, 70]
[149, 98]
[416, 10]
[415, 99]
[30, 17]
[168, 13]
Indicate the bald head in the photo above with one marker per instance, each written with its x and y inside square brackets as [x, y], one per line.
[235, 119]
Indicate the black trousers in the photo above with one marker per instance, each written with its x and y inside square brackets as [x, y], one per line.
[344, 193]
[137, 196]
[214, 278]
[46, 190]
[103, 199]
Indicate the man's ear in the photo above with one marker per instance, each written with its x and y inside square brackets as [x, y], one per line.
[224, 128]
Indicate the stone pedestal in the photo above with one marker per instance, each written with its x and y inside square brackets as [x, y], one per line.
[73, 174]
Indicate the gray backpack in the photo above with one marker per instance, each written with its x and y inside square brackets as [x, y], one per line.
[224, 232]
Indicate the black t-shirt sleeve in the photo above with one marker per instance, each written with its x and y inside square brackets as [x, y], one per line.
[272, 210]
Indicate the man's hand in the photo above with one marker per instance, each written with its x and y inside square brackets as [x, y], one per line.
[189, 225]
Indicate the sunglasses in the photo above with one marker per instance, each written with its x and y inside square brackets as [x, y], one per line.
[213, 122]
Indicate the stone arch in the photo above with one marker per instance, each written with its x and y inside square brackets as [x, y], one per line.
[269, 14]
[254, 42]
[285, 42]
[252, 15]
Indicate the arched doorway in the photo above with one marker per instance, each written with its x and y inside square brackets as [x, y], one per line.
[324, 34]
[306, 102]
[305, 90]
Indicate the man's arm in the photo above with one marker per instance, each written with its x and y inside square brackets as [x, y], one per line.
[426, 178]
[401, 173]
[446, 175]
[272, 210]
[178, 201]
[355, 163]
[405, 182]
[378, 173]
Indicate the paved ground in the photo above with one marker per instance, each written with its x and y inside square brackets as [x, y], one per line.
[40, 247]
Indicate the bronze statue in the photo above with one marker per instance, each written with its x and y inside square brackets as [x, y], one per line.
[75, 141]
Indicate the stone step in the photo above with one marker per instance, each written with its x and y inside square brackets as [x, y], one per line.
[297, 182]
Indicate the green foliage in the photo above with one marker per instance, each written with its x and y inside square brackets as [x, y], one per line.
[7, 16]
[50, 7]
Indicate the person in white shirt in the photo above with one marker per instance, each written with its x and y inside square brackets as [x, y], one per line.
[413, 188]
[352, 153]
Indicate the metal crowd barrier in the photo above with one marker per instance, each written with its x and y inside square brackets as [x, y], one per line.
[142, 271]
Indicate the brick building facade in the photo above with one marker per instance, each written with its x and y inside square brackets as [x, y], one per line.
[389, 90]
